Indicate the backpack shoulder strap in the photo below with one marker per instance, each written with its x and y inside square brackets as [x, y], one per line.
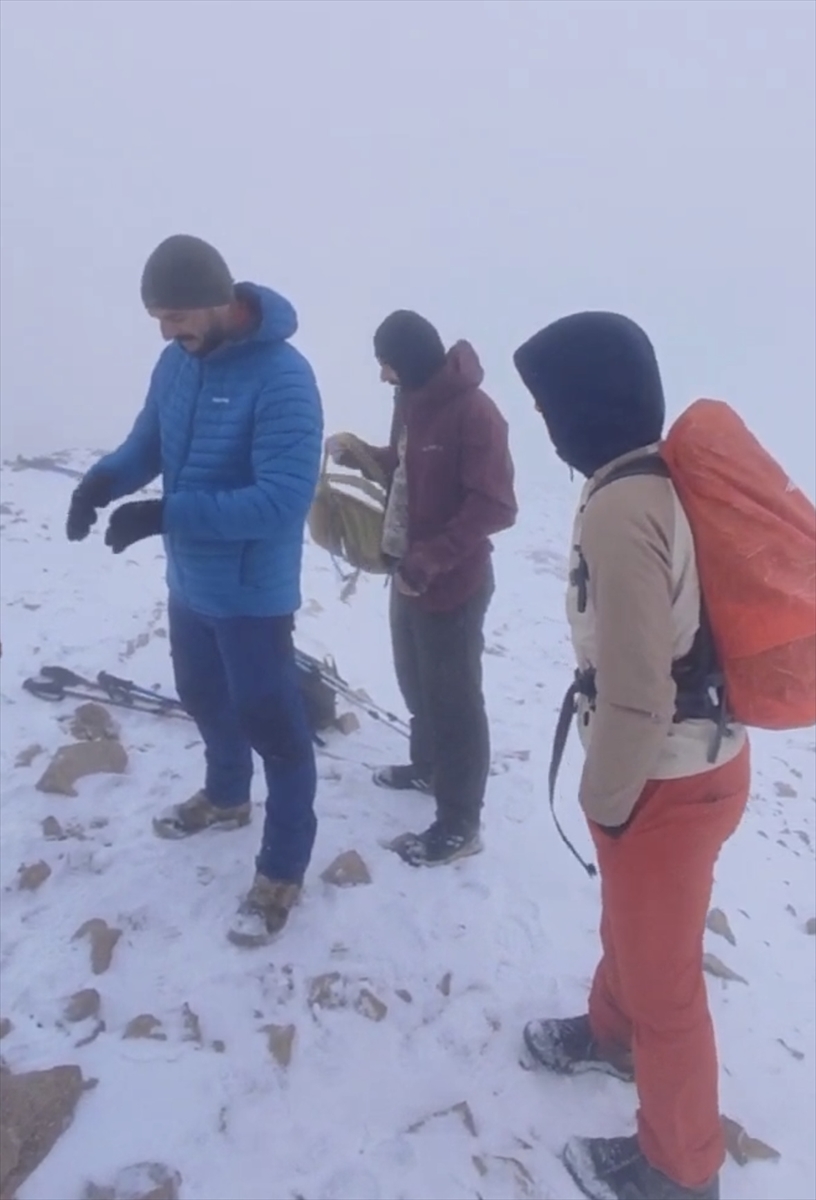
[648, 464]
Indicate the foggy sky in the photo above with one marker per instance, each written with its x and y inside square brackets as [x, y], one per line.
[492, 163]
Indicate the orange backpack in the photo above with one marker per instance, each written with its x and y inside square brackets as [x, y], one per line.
[755, 544]
[755, 541]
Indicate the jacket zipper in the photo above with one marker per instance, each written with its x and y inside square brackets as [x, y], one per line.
[186, 453]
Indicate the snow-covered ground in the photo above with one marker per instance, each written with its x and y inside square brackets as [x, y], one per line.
[461, 957]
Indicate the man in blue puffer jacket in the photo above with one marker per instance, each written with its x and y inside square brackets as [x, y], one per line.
[233, 424]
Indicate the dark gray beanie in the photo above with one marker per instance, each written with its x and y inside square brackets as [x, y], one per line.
[410, 345]
[185, 272]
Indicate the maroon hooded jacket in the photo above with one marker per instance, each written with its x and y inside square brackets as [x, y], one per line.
[460, 480]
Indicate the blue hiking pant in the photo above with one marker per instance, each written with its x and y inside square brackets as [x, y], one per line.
[237, 678]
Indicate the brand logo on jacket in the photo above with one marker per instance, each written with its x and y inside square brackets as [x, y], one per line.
[220, 399]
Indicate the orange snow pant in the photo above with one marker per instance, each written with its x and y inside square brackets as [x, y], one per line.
[649, 994]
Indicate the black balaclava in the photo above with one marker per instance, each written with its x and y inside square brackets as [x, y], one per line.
[595, 380]
[411, 347]
[183, 273]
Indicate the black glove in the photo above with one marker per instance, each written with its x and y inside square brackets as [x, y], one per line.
[131, 522]
[92, 492]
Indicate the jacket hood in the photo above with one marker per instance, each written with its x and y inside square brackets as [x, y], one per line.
[595, 380]
[278, 317]
[461, 372]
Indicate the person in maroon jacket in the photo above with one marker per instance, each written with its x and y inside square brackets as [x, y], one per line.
[450, 487]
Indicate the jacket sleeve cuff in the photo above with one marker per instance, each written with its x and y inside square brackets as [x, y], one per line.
[614, 831]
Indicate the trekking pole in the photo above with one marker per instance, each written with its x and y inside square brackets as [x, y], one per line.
[49, 689]
[114, 685]
[374, 710]
[332, 679]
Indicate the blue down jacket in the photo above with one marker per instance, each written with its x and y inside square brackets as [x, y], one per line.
[237, 438]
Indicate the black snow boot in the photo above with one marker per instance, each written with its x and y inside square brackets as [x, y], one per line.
[567, 1047]
[615, 1169]
[403, 778]
[437, 846]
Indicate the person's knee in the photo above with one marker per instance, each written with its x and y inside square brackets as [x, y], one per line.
[195, 691]
[457, 711]
[670, 995]
[200, 685]
[276, 726]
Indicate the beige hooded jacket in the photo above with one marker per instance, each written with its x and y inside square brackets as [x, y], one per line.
[642, 614]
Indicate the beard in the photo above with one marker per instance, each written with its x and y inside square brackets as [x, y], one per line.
[200, 347]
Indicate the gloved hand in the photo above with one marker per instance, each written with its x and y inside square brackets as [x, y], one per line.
[347, 450]
[92, 492]
[132, 522]
[340, 448]
[335, 444]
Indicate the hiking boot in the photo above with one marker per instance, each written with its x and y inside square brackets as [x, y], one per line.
[615, 1169]
[403, 778]
[566, 1047]
[437, 846]
[264, 912]
[199, 813]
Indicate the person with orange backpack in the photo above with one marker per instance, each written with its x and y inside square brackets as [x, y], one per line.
[692, 610]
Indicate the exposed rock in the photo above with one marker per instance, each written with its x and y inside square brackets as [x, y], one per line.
[404, 995]
[37, 1108]
[347, 870]
[93, 723]
[281, 1041]
[103, 941]
[32, 877]
[99, 1027]
[9, 1157]
[79, 759]
[145, 1026]
[810, 926]
[715, 966]
[743, 1148]
[347, 722]
[444, 985]
[370, 1006]
[219, 1046]
[333, 991]
[82, 1005]
[5, 1027]
[192, 1025]
[26, 757]
[524, 1184]
[717, 922]
[144, 1181]
[326, 991]
[52, 830]
[461, 1110]
[792, 1051]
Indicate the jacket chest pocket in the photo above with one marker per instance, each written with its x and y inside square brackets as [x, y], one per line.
[221, 442]
[437, 471]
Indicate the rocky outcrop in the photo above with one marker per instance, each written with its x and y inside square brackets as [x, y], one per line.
[36, 1107]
